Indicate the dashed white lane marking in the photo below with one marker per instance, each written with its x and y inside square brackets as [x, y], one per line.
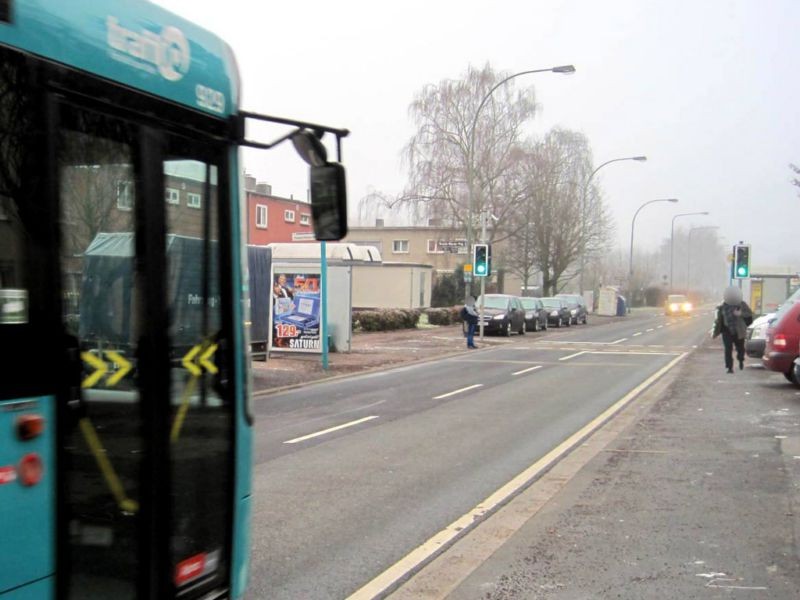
[572, 355]
[655, 345]
[412, 561]
[637, 334]
[619, 341]
[330, 430]
[454, 392]
[528, 370]
[649, 330]
[659, 327]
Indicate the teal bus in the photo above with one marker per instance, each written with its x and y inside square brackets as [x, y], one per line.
[125, 431]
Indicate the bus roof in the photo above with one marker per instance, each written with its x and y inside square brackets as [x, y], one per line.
[132, 42]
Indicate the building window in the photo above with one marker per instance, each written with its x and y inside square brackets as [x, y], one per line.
[194, 200]
[261, 216]
[288, 216]
[125, 195]
[433, 247]
[305, 219]
[400, 246]
[173, 196]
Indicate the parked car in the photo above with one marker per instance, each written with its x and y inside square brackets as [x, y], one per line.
[577, 307]
[502, 313]
[558, 312]
[756, 340]
[677, 304]
[782, 342]
[535, 314]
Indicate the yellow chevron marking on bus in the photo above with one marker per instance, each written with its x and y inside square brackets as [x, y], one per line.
[204, 362]
[100, 369]
[188, 361]
[123, 367]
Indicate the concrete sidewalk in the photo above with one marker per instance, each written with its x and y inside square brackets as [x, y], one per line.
[696, 498]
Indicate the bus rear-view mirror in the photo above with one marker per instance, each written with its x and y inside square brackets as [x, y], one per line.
[329, 201]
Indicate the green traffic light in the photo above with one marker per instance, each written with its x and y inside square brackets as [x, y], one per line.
[481, 269]
[742, 271]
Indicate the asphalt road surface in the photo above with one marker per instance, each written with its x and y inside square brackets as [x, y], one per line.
[353, 477]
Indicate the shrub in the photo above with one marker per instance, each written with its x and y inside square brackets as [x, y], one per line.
[444, 316]
[385, 319]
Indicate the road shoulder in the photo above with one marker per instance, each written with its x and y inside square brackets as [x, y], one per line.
[692, 489]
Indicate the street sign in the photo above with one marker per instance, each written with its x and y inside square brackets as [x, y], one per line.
[452, 246]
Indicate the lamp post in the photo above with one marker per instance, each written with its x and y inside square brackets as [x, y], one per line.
[633, 225]
[583, 210]
[689, 253]
[564, 69]
[672, 240]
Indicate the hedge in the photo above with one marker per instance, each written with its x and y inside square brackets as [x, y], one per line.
[444, 316]
[385, 319]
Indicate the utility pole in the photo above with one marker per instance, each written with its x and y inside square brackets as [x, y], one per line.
[483, 279]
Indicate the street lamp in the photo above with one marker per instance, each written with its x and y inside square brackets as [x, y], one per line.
[583, 209]
[689, 253]
[633, 224]
[563, 69]
[672, 240]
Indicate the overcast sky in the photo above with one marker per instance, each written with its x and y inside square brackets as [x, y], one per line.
[708, 90]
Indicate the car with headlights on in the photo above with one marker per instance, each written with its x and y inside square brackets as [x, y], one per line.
[535, 314]
[577, 308]
[502, 313]
[756, 339]
[558, 313]
[677, 304]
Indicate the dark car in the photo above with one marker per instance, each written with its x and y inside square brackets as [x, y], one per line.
[502, 314]
[783, 338]
[558, 313]
[577, 307]
[535, 314]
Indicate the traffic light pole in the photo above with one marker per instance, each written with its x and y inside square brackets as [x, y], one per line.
[483, 279]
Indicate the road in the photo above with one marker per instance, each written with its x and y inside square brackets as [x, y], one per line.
[353, 475]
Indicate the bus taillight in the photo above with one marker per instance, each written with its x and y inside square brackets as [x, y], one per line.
[30, 469]
[29, 427]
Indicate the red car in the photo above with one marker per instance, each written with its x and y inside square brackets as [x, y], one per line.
[783, 339]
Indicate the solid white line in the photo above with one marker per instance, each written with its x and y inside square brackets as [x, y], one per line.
[454, 392]
[446, 536]
[527, 370]
[620, 340]
[651, 353]
[573, 355]
[329, 430]
[637, 333]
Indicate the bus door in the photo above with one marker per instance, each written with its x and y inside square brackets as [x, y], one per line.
[147, 450]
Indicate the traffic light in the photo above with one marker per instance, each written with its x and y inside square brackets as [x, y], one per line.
[481, 260]
[741, 261]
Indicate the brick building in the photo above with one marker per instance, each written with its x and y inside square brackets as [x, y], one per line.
[274, 219]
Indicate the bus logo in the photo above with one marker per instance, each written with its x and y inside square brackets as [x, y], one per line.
[166, 53]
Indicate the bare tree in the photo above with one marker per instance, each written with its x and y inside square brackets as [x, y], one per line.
[458, 166]
[555, 215]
